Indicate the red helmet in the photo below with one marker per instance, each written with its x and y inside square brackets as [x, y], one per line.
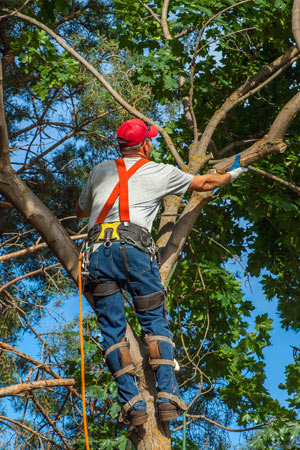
[135, 131]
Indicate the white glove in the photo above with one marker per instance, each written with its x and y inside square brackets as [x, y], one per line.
[236, 170]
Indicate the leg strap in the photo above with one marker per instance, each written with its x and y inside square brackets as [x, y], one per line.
[129, 369]
[128, 407]
[173, 399]
[151, 338]
[148, 302]
[155, 359]
[124, 356]
[103, 289]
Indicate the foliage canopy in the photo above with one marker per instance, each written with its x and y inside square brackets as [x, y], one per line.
[195, 69]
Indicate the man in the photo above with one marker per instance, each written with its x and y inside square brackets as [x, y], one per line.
[122, 198]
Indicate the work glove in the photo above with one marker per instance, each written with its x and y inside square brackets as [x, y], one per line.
[236, 170]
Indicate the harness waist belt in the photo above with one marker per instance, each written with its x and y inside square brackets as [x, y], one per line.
[124, 232]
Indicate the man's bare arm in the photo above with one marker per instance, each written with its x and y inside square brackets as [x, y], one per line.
[208, 182]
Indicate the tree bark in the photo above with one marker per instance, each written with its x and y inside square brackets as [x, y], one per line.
[4, 147]
[296, 22]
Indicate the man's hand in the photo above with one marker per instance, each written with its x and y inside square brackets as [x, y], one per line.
[210, 181]
[236, 170]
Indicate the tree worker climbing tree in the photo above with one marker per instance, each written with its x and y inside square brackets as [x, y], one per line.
[122, 198]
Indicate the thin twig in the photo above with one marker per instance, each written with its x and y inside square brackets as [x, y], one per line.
[27, 275]
[218, 424]
[274, 178]
[3, 420]
[116, 96]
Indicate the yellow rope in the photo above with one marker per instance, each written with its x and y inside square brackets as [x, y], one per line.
[82, 356]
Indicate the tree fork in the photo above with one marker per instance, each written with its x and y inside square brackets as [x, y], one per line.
[271, 143]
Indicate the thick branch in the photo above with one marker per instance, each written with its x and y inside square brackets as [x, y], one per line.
[242, 93]
[117, 97]
[29, 386]
[285, 118]
[296, 22]
[164, 21]
[6, 205]
[171, 204]
[44, 366]
[271, 142]
[181, 231]
[4, 146]
[34, 248]
[39, 216]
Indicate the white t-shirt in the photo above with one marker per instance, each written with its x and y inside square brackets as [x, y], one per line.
[146, 188]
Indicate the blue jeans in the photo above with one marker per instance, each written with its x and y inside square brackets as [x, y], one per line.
[106, 264]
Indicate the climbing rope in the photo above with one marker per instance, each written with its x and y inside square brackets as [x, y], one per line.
[184, 432]
[82, 355]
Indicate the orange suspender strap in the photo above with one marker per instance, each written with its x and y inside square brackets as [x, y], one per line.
[123, 180]
[121, 189]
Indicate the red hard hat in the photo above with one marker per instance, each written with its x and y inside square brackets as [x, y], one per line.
[135, 131]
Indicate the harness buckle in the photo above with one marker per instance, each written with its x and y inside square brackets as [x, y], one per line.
[107, 244]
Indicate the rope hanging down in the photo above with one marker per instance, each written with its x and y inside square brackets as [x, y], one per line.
[82, 355]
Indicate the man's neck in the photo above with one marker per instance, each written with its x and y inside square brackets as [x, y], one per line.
[134, 155]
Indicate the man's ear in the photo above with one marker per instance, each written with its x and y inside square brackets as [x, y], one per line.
[144, 148]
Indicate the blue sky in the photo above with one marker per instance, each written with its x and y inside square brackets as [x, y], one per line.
[278, 355]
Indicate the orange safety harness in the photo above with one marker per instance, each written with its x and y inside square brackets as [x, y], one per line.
[121, 189]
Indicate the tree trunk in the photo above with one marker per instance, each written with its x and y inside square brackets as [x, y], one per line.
[153, 435]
